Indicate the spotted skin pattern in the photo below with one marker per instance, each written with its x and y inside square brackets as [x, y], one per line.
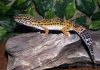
[57, 24]
[85, 36]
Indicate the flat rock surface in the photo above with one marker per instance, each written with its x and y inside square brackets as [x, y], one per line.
[37, 52]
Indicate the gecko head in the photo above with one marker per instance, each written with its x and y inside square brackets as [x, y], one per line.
[22, 18]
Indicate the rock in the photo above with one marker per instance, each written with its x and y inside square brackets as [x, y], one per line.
[34, 51]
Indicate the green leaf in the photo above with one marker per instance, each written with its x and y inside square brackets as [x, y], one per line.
[95, 25]
[39, 4]
[49, 14]
[81, 20]
[3, 8]
[85, 6]
[50, 8]
[45, 8]
[7, 23]
[2, 32]
[60, 8]
[96, 16]
[5, 1]
[21, 4]
[69, 10]
[25, 5]
[30, 11]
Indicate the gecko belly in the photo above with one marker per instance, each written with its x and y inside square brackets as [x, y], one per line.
[49, 27]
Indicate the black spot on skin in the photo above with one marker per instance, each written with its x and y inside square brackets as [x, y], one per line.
[38, 22]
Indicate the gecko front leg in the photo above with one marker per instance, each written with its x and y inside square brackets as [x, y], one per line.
[45, 30]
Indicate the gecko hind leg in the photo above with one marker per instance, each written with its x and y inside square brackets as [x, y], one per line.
[65, 32]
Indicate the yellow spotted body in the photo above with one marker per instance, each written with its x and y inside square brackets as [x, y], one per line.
[46, 25]
[57, 24]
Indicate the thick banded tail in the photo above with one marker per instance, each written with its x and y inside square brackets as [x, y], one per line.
[86, 38]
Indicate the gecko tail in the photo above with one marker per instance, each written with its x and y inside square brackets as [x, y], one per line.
[88, 43]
